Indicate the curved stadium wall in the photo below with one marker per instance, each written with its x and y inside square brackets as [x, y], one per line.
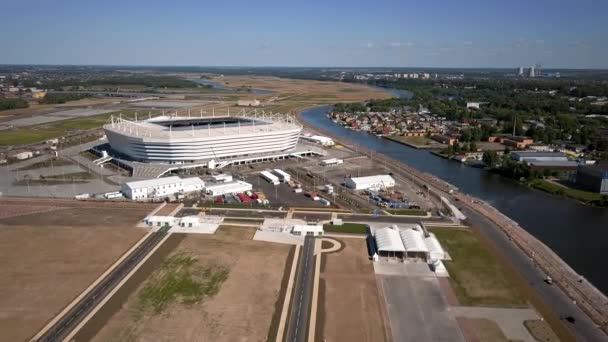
[157, 141]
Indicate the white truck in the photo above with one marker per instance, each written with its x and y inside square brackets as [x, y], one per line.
[272, 179]
[283, 176]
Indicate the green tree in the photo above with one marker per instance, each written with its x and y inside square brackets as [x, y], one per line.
[490, 158]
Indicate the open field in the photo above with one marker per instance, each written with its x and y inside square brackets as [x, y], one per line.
[562, 190]
[295, 94]
[477, 277]
[243, 305]
[350, 308]
[39, 133]
[49, 258]
[417, 142]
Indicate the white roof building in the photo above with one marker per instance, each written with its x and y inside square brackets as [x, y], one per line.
[389, 242]
[222, 178]
[414, 243]
[319, 139]
[228, 188]
[436, 252]
[304, 229]
[370, 182]
[159, 187]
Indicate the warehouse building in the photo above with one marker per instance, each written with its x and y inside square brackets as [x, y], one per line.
[533, 156]
[389, 243]
[161, 187]
[593, 177]
[228, 188]
[370, 182]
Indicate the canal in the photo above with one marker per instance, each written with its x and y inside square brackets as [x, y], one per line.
[576, 232]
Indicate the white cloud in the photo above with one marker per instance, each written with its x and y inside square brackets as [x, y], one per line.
[368, 45]
[400, 44]
[467, 42]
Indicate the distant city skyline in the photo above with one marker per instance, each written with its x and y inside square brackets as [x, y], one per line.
[464, 34]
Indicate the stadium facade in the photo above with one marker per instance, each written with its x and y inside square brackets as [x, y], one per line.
[196, 139]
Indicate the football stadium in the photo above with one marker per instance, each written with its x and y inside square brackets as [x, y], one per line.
[174, 139]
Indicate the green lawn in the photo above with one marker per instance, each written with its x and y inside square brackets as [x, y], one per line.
[477, 277]
[180, 278]
[346, 228]
[577, 194]
[39, 133]
[409, 212]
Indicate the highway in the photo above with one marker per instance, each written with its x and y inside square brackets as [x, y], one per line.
[297, 328]
[69, 321]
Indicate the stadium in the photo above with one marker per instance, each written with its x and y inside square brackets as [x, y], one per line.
[189, 139]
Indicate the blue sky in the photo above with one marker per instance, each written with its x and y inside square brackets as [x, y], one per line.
[433, 33]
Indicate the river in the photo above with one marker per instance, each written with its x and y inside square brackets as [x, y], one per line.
[576, 232]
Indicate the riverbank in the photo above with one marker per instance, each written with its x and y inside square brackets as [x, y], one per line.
[587, 297]
[417, 142]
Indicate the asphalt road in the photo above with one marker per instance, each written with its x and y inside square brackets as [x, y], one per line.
[300, 305]
[390, 219]
[72, 318]
[584, 329]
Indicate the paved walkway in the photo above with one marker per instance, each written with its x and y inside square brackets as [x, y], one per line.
[510, 321]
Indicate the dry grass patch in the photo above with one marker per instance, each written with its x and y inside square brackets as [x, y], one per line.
[541, 331]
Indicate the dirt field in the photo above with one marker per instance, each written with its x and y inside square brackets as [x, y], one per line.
[241, 310]
[352, 309]
[291, 94]
[49, 258]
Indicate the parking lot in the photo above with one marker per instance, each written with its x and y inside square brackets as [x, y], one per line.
[417, 310]
[281, 194]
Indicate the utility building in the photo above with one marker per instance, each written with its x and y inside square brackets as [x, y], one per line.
[370, 182]
[160, 187]
[228, 188]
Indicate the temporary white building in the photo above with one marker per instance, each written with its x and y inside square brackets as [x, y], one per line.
[389, 242]
[370, 182]
[319, 139]
[413, 241]
[228, 188]
[304, 229]
[160, 187]
[159, 221]
[436, 252]
[332, 161]
[192, 184]
[222, 178]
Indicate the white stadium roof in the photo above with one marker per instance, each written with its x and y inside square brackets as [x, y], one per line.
[388, 240]
[413, 240]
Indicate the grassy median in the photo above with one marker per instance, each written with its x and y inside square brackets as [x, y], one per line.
[346, 228]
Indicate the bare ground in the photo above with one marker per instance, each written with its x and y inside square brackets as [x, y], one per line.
[352, 309]
[242, 310]
[50, 258]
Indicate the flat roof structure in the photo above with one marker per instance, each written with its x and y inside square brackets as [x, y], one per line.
[370, 182]
[228, 188]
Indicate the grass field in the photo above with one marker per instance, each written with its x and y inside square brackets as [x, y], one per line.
[180, 279]
[346, 228]
[39, 133]
[408, 212]
[556, 189]
[477, 277]
[220, 287]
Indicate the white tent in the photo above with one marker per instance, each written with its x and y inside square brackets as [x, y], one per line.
[388, 242]
[435, 250]
[414, 243]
